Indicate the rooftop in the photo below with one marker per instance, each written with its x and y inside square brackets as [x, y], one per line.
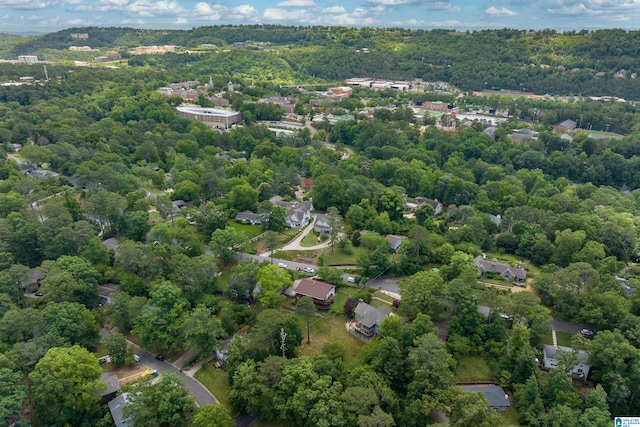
[313, 288]
[207, 111]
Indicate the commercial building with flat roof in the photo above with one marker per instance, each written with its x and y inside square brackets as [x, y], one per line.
[212, 117]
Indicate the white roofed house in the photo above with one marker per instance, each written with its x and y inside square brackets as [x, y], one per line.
[554, 355]
[248, 217]
[299, 217]
[435, 204]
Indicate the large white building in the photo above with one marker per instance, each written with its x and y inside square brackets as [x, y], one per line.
[27, 59]
[212, 117]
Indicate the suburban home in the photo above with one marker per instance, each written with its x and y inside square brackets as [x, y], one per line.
[113, 386]
[552, 356]
[394, 241]
[435, 204]
[565, 126]
[323, 294]
[115, 407]
[496, 219]
[496, 396]
[321, 226]
[368, 318]
[299, 217]
[34, 279]
[624, 283]
[112, 244]
[248, 217]
[506, 272]
[306, 184]
[278, 200]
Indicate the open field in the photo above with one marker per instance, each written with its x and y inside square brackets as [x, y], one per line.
[473, 369]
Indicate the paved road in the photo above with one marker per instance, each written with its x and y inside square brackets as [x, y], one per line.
[389, 284]
[196, 389]
[569, 327]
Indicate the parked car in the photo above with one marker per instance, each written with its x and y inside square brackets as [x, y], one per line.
[587, 332]
[136, 358]
[39, 294]
[309, 270]
[351, 279]
[160, 357]
[104, 359]
[282, 265]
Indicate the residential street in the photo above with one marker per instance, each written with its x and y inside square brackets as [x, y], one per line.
[197, 390]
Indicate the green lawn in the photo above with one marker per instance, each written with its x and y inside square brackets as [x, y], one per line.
[510, 417]
[331, 329]
[215, 380]
[249, 230]
[310, 239]
[340, 258]
[564, 339]
[473, 369]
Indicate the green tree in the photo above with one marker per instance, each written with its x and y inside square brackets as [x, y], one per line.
[212, 416]
[12, 393]
[277, 218]
[306, 308]
[243, 197]
[135, 225]
[155, 403]
[422, 293]
[272, 281]
[328, 190]
[225, 243]
[272, 241]
[117, 348]
[335, 225]
[64, 384]
[165, 207]
[202, 330]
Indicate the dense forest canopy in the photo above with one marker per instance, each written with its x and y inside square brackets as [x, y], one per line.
[542, 61]
[105, 187]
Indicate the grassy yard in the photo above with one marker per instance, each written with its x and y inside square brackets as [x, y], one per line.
[473, 369]
[215, 380]
[510, 417]
[340, 258]
[310, 239]
[249, 230]
[330, 329]
[564, 339]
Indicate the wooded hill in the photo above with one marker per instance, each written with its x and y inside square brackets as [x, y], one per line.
[542, 62]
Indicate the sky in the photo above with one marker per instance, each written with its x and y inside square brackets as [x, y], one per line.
[53, 15]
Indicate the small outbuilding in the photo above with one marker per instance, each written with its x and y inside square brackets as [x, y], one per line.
[496, 396]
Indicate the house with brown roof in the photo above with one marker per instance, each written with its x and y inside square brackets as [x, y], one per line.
[306, 184]
[323, 294]
[506, 272]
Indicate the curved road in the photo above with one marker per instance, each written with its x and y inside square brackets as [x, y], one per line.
[148, 359]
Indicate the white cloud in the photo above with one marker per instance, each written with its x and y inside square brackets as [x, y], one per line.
[425, 4]
[25, 4]
[180, 21]
[494, 11]
[590, 7]
[154, 8]
[352, 19]
[243, 12]
[451, 23]
[334, 9]
[279, 15]
[297, 3]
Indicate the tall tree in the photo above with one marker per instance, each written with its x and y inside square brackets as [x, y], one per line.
[225, 243]
[202, 330]
[335, 225]
[12, 393]
[156, 403]
[64, 384]
[306, 308]
[212, 416]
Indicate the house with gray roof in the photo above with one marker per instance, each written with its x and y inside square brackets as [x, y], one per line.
[496, 396]
[506, 272]
[299, 217]
[553, 355]
[111, 243]
[322, 226]
[115, 407]
[278, 200]
[394, 241]
[435, 204]
[248, 217]
[369, 318]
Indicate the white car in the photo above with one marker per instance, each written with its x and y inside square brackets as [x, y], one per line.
[351, 279]
[136, 358]
[282, 265]
[309, 270]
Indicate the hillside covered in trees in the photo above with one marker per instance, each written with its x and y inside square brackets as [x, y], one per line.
[104, 187]
[542, 62]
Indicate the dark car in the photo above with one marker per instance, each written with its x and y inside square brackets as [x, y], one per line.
[39, 294]
[160, 357]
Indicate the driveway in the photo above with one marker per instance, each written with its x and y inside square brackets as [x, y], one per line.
[296, 244]
[148, 359]
[389, 284]
[569, 327]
